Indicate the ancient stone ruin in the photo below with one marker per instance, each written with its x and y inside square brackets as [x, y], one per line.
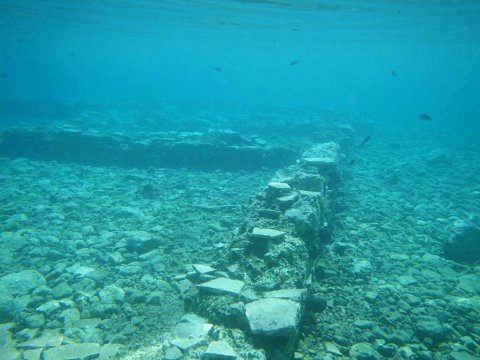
[262, 285]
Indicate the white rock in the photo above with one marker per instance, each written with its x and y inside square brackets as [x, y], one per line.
[267, 234]
[203, 269]
[222, 286]
[273, 317]
[192, 325]
[275, 189]
[219, 350]
[279, 185]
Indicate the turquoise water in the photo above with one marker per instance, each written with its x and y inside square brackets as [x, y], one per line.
[124, 51]
[140, 139]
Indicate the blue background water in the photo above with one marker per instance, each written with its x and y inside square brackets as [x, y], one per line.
[167, 51]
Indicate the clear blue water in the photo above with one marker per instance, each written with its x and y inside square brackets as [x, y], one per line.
[126, 50]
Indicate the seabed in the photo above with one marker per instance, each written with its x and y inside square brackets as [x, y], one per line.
[237, 245]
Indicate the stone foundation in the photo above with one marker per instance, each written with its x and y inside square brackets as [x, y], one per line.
[225, 150]
[261, 286]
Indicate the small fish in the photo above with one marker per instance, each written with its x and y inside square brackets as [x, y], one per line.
[351, 162]
[217, 69]
[7, 58]
[366, 140]
[3, 76]
[72, 54]
[294, 62]
[393, 73]
[425, 117]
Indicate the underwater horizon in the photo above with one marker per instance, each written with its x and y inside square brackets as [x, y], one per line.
[240, 179]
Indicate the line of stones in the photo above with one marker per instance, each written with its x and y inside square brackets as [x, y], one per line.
[262, 283]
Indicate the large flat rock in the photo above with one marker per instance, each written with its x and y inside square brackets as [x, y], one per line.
[46, 341]
[82, 351]
[219, 350]
[222, 286]
[192, 326]
[267, 234]
[273, 317]
[326, 158]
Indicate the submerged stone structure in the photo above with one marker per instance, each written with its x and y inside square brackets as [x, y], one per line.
[210, 150]
[249, 304]
[262, 284]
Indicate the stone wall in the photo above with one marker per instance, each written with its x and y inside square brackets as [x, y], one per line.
[225, 150]
[262, 284]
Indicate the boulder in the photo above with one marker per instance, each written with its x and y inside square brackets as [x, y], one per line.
[274, 324]
[464, 245]
[62, 290]
[22, 282]
[273, 317]
[430, 327]
[437, 157]
[140, 241]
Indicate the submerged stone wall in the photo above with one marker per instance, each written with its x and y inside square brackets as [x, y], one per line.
[262, 285]
[214, 150]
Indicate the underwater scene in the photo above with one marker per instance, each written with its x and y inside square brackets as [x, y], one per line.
[240, 179]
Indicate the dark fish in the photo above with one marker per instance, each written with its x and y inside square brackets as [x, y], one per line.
[425, 117]
[217, 69]
[366, 140]
[7, 58]
[294, 62]
[351, 162]
[394, 73]
[3, 76]
[72, 54]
